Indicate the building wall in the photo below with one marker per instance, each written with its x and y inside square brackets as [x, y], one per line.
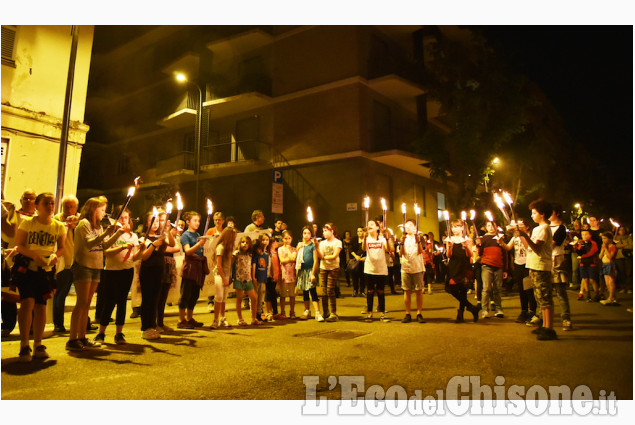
[32, 108]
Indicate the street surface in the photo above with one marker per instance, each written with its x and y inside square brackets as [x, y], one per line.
[268, 362]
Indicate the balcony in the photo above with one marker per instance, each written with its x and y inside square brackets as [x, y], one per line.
[230, 156]
[180, 164]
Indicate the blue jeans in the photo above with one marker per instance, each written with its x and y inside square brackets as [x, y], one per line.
[492, 281]
[64, 280]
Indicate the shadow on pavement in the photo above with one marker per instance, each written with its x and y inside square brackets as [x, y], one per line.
[14, 367]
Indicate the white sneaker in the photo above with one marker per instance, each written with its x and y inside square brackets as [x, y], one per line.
[485, 314]
[318, 317]
[150, 334]
[566, 325]
[225, 323]
[40, 352]
[306, 315]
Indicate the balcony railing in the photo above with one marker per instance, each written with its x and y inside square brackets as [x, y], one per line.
[229, 150]
[178, 162]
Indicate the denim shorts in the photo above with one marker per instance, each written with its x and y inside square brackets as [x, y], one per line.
[589, 272]
[608, 269]
[83, 274]
[243, 285]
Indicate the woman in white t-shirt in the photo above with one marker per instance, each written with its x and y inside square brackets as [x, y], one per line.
[329, 252]
[375, 269]
[41, 240]
[117, 277]
[90, 241]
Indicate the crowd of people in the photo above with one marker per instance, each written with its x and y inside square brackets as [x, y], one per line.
[96, 253]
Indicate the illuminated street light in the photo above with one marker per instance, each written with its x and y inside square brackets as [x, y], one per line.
[496, 161]
[181, 78]
[577, 206]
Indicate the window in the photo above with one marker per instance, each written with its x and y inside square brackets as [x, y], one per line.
[5, 151]
[122, 165]
[8, 45]
[440, 205]
[381, 127]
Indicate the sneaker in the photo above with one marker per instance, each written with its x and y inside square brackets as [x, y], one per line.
[25, 354]
[270, 318]
[368, 318]
[90, 344]
[318, 317]
[522, 317]
[306, 315]
[59, 330]
[407, 319]
[547, 335]
[332, 318]
[184, 324]
[384, 319]
[364, 311]
[225, 323]
[485, 314]
[194, 323]
[40, 352]
[535, 321]
[74, 345]
[166, 329]
[590, 300]
[100, 338]
[580, 296]
[120, 339]
[420, 319]
[566, 325]
[150, 333]
[499, 314]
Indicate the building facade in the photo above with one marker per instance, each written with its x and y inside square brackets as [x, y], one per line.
[335, 110]
[35, 64]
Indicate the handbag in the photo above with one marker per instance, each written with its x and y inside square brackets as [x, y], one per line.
[351, 265]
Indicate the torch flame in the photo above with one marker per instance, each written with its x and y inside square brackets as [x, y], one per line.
[168, 207]
[179, 204]
[366, 203]
[210, 208]
[403, 208]
[463, 215]
[472, 215]
[489, 216]
[136, 181]
[383, 204]
[417, 210]
[499, 201]
[309, 214]
[131, 190]
[508, 198]
[446, 215]
[614, 223]
[155, 212]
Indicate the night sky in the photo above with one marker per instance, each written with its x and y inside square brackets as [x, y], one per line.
[587, 73]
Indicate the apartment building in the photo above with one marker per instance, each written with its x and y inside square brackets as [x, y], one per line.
[329, 112]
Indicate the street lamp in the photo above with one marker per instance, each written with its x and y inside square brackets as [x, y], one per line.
[180, 77]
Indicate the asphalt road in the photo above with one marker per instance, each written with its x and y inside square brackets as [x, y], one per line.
[269, 362]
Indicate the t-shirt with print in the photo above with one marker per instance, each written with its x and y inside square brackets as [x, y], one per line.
[243, 267]
[191, 238]
[376, 258]
[411, 260]
[328, 248]
[540, 260]
[42, 238]
[122, 260]
[227, 265]
[262, 265]
[520, 252]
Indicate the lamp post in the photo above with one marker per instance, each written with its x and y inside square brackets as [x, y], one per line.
[199, 118]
